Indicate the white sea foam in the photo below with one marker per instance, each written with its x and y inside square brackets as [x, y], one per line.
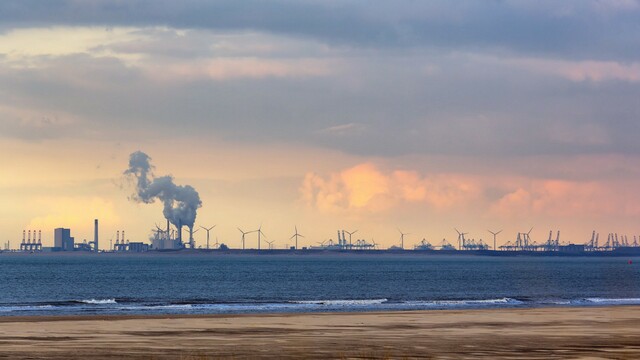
[25, 308]
[342, 302]
[99, 301]
[621, 301]
[461, 303]
[557, 302]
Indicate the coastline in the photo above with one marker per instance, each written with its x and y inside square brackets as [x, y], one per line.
[621, 252]
[608, 331]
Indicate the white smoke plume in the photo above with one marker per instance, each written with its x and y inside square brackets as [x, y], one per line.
[181, 203]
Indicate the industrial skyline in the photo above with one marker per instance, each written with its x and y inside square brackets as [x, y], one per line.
[424, 116]
[170, 239]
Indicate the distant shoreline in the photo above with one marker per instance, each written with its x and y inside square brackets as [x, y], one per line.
[490, 253]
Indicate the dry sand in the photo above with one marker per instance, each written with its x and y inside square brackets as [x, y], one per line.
[588, 332]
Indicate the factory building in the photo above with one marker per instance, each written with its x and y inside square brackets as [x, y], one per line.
[163, 243]
[138, 247]
[63, 241]
[163, 240]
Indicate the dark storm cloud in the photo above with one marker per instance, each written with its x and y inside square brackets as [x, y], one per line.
[570, 29]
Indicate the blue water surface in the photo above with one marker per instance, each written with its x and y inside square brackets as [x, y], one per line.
[55, 284]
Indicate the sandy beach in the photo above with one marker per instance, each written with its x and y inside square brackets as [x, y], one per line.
[587, 332]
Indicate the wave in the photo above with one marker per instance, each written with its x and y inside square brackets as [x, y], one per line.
[341, 302]
[463, 303]
[622, 301]
[98, 301]
[4, 309]
[120, 306]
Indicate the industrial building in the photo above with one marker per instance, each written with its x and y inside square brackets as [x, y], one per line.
[62, 240]
[28, 244]
[167, 239]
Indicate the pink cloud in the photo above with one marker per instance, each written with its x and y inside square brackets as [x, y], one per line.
[369, 188]
[365, 187]
[578, 71]
[231, 68]
[563, 198]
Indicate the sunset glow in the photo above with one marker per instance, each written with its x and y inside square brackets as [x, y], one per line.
[437, 122]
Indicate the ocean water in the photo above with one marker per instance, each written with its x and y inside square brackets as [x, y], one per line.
[41, 284]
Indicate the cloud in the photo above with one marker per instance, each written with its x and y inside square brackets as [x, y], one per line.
[594, 71]
[572, 29]
[237, 68]
[343, 129]
[366, 188]
[251, 86]
[566, 199]
[35, 124]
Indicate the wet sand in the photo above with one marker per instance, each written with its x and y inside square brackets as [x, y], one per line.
[588, 332]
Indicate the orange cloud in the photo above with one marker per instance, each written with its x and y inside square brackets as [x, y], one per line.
[363, 183]
[567, 198]
[366, 187]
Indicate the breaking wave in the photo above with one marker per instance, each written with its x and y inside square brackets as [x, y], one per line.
[98, 301]
[203, 306]
[341, 302]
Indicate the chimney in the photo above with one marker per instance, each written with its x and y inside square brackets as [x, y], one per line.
[95, 234]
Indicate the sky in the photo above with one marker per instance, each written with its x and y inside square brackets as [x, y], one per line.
[423, 116]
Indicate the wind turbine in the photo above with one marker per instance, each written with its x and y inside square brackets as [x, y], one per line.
[207, 230]
[259, 231]
[296, 236]
[270, 244]
[460, 238]
[402, 238]
[243, 235]
[494, 237]
[216, 245]
[351, 233]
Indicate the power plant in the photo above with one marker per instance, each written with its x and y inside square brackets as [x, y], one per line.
[181, 203]
[169, 239]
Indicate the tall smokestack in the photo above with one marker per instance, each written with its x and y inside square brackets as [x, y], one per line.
[95, 234]
[180, 231]
[168, 231]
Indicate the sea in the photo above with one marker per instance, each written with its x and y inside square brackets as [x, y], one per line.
[105, 284]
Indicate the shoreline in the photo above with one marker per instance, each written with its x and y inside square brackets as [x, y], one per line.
[606, 331]
[622, 252]
[116, 317]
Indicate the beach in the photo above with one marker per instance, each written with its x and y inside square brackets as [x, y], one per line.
[578, 332]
